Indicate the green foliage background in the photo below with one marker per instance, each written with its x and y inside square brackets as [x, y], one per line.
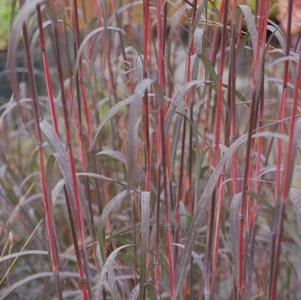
[5, 8]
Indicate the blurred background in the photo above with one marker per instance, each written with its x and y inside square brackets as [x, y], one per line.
[277, 13]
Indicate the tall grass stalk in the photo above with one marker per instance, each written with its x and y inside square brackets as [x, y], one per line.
[47, 205]
[79, 72]
[256, 79]
[283, 98]
[80, 223]
[146, 63]
[276, 232]
[287, 177]
[219, 104]
[161, 139]
[232, 89]
[146, 137]
[187, 103]
[253, 207]
[209, 239]
[46, 70]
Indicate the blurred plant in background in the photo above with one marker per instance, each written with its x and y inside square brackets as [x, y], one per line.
[5, 21]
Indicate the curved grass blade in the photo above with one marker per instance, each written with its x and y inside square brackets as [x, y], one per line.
[113, 203]
[107, 269]
[145, 227]
[4, 293]
[202, 204]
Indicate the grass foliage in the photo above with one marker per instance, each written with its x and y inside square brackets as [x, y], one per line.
[150, 150]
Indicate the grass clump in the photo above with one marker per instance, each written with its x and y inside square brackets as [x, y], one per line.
[153, 153]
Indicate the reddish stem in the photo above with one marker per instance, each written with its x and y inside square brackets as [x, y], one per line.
[46, 70]
[281, 114]
[80, 222]
[217, 142]
[253, 121]
[161, 139]
[288, 169]
[47, 205]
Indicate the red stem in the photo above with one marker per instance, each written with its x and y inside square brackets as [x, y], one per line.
[79, 72]
[47, 205]
[46, 71]
[80, 222]
[253, 120]
[217, 142]
[288, 167]
[161, 158]
[146, 39]
[283, 100]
